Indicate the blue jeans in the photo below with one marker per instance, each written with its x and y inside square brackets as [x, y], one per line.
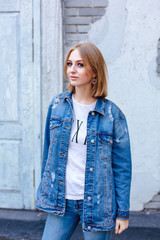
[62, 228]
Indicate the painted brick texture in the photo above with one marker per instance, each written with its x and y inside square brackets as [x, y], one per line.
[91, 11]
[154, 203]
[78, 15]
[158, 58]
[79, 3]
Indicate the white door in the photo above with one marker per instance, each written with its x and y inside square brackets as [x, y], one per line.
[17, 116]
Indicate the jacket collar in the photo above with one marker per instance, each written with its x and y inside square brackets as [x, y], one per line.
[100, 104]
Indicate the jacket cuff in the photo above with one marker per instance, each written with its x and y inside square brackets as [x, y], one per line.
[122, 214]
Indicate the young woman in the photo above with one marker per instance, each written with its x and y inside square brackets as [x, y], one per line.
[86, 169]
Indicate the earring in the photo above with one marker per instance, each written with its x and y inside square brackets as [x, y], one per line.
[94, 81]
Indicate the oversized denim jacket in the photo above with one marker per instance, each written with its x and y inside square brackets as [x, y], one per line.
[108, 163]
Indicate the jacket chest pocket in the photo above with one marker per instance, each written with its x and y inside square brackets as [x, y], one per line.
[105, 146]
[54, 129]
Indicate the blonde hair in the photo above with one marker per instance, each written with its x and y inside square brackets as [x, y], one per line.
[91, 55]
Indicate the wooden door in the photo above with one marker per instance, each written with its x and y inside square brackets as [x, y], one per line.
[17, 117]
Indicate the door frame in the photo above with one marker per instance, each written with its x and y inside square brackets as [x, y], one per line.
[53, 19]
[36, 59]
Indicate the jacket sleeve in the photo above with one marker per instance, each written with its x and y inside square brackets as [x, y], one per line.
[122, 169]
[46, 140]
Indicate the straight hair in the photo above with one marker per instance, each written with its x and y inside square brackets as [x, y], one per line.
[91, 55]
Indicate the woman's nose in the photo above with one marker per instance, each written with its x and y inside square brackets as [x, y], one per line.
[73, 68]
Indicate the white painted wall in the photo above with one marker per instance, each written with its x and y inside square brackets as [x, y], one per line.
[128, 36]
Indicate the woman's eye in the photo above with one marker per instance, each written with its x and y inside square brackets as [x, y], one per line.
[80, 65]
[77, 65]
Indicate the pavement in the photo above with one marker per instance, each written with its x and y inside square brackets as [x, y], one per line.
[28, 225]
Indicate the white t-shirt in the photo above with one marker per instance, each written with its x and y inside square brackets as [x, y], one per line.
[76, 162]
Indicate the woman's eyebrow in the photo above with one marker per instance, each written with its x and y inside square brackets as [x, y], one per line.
[76, 60]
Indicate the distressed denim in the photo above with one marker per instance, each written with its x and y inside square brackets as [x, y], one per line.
[62, 227]
[108, 163]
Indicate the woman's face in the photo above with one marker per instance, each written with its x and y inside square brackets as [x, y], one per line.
[79, 73]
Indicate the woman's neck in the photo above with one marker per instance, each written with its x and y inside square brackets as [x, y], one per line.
[84, 97]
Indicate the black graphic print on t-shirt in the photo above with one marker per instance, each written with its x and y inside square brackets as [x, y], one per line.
[75, 135]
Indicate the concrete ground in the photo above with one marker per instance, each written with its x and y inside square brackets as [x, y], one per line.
[28, 225]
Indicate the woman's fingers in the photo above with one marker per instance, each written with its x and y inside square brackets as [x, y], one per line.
[121, 225]
[117, 227]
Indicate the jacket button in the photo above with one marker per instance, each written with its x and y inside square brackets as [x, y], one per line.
[91, 169]
[89, 198]
[92, 141]
[89, 228]
[93, 113]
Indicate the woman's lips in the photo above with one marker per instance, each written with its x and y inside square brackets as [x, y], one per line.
[73, 77]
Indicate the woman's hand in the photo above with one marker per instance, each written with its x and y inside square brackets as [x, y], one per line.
[121, 225]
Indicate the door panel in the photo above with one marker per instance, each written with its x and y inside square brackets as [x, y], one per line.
[16, 105]
[9, 66]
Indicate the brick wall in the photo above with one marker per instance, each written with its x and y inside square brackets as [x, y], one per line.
[78, 15]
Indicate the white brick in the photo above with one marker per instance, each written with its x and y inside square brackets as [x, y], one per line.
[153, 205]
[156, 198]
[80, 3]
[83, 28]
[70, 12]
[70, 28]
[100, 3]
[77, 20]
[91, 11]
[158, 59]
